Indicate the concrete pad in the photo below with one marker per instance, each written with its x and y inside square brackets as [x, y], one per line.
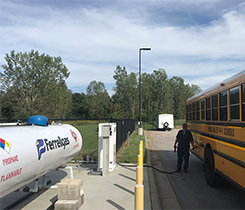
[113, 192]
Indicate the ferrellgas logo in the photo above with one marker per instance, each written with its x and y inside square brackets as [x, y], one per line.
[44, 145]
[40, 148]
[74, 135]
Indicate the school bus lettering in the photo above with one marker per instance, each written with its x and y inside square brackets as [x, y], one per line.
[229, 132]
[221, 131]
[215, 130]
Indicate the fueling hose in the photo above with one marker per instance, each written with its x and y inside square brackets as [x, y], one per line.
[148, 166]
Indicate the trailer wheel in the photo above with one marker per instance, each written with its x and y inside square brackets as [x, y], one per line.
[212, 178]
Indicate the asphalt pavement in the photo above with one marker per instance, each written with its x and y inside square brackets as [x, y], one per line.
[189, 190]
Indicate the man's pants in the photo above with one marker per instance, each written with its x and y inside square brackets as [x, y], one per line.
[183, 155]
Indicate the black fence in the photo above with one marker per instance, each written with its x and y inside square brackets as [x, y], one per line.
[123, 127]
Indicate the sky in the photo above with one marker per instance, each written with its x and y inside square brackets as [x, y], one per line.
[202, 41]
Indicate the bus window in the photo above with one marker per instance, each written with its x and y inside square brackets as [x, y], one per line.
[190, 111]
[234, 103]
[208, 109]
[198, 110]
[202, 110]
[215, 107]
[223, 105]
[194, 111]
[187, 112]
[243, 102]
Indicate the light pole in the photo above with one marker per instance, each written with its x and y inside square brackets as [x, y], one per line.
[140, 130]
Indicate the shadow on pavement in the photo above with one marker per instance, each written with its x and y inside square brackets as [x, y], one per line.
[127, 177]
[115, 205]
[123, 188]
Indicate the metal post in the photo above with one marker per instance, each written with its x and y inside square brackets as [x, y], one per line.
[71, 172]
[140, 131]
[140, 86]
[139, 197]
[128, 138]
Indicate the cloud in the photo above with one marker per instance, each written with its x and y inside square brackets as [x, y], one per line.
[93, 38]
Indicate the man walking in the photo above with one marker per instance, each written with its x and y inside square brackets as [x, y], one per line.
[183, 138]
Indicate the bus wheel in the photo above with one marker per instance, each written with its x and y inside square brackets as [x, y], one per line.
[212, 178]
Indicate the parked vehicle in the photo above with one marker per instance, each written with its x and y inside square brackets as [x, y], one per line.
[165, 122]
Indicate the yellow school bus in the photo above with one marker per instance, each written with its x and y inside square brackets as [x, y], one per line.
[216, 118]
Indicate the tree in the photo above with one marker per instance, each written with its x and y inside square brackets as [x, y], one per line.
[159, 94]
[125, 99]
[156, 95]
[132, 95]
[80, 107]
[181, 92]
[147, 96]
[98, 100]
[179, 96]
[37, 83]
[195, 89]
[119, 98]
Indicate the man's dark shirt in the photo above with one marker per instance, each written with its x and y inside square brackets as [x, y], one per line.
[184, 140]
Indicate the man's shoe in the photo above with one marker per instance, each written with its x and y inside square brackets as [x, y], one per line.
[178, 170]
[185, 171]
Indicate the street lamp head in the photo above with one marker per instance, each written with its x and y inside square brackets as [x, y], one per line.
[145, 48]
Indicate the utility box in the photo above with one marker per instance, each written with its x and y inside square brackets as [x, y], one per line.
[165, 122]
[107, 147]
[106, 131]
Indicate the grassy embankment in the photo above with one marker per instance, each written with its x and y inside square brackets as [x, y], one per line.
[126, 154]
[129, 154]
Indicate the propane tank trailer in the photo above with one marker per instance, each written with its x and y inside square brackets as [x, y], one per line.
[29, 151]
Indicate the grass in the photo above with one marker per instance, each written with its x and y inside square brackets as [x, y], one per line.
[90, 141]
[129, 154]
[178, 122]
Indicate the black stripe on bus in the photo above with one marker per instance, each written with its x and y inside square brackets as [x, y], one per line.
[231, 159]
[201, 144]
[230, 180]
[235, 124]
[221, 138]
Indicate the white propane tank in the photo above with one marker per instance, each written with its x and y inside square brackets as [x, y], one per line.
[28, 152]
